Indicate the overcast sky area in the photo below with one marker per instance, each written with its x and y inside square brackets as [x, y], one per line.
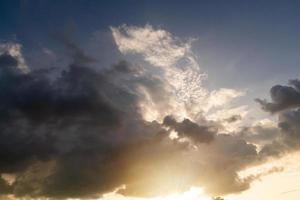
[149, 100]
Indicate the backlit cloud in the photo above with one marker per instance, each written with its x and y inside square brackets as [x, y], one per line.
[157, 46]
[84, 132]
[178, 70]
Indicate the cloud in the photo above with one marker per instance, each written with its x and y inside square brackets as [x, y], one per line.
[5, 188]
[222, 96]
[158, 47]
[229, 118]
[285, 102]
[283, 97]
[289, 125]
[233, 118]
[59, 121]
[83, 133]
[173, 63]
[175, 66]
[189, 129]
[260, 134]
[14, 50]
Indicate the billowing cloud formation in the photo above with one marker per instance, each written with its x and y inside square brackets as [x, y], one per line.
[283, 97]
[83, 133]
[58, 135]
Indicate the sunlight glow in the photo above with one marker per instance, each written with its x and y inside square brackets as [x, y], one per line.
[194, 193]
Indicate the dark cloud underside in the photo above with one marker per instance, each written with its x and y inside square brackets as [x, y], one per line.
[81, 134]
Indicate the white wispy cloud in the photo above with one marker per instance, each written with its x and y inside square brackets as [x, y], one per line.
[179, 69]
[158, 47]
[222, 96]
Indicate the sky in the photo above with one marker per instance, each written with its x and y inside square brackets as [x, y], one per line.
[149, 100]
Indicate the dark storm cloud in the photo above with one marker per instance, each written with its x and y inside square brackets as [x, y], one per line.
[283, 97]
[59, 120]
[189, 129]
[81, 134]
[74, 135]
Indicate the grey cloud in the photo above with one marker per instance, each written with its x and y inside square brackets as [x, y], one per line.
[5, 188]
[295, 83]
[275, 149]
[233, 118]
[289, 125]
[189, 129]
[283, 97]
[218, 157]
[220, 162]
[73, 135]
[81, 135]
[287, 138]
[59, 120]
[259, 134]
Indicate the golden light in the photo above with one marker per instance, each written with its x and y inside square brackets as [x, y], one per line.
[194, 193]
